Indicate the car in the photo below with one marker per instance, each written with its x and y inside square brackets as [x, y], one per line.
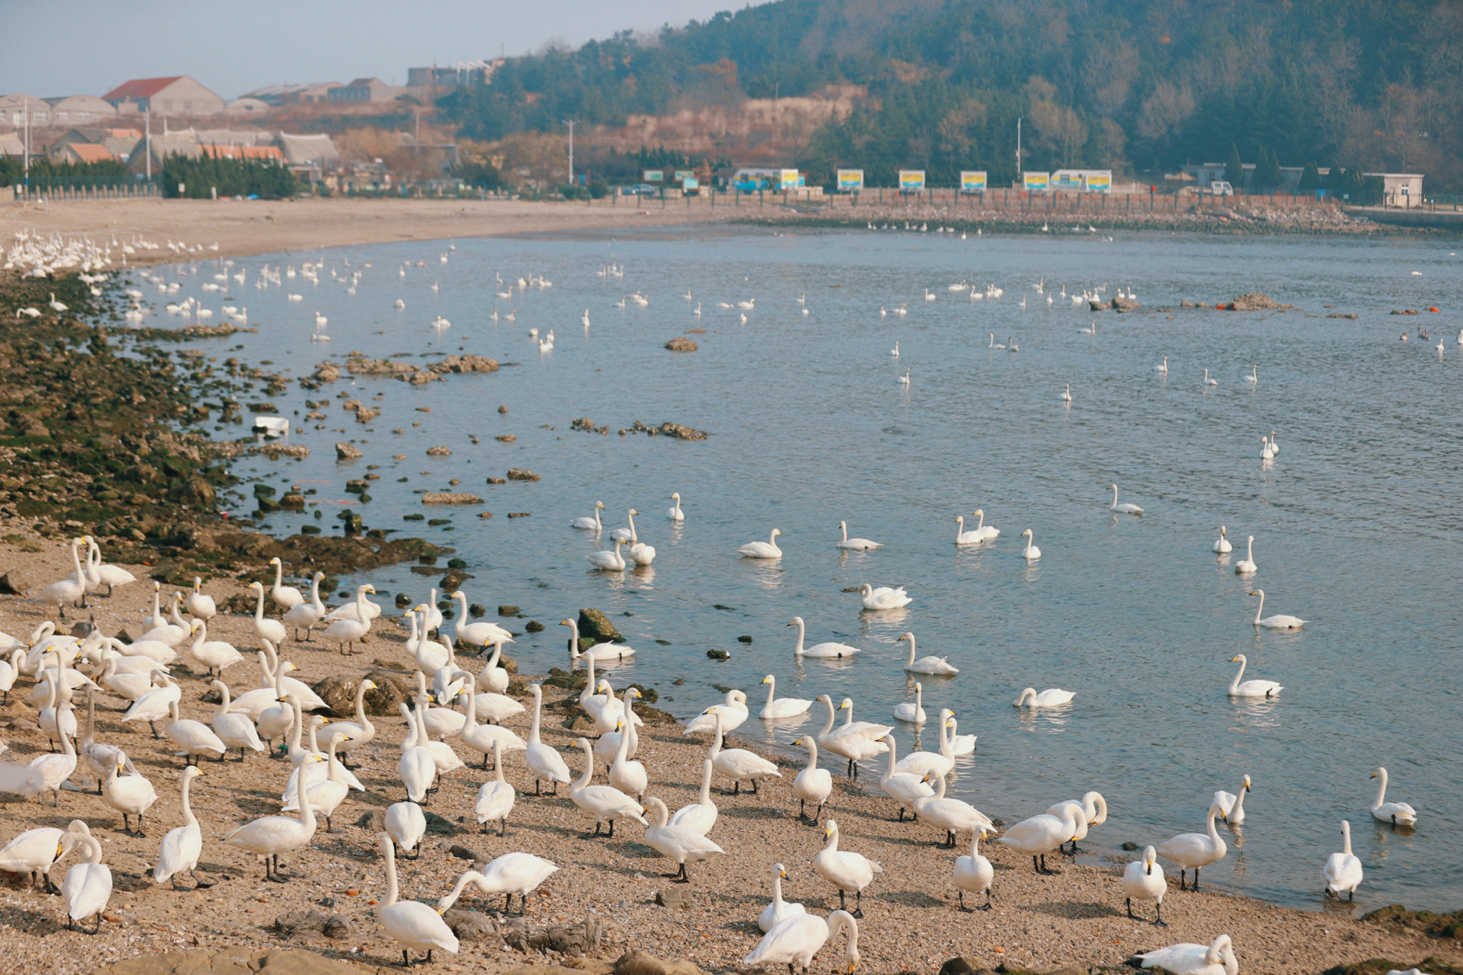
[1220, 188]
[640, 189]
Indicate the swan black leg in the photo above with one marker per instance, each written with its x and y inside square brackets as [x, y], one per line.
[508, 904]
[841, 905]
[987, 905]
[200, 885]
[502, 826]
[680, 876]
[1159, 921]
[962, 902]
[611, 834]
[1196, 878]
[858, 904]
[1130, 908]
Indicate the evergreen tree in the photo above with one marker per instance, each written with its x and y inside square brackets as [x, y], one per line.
[1234, 170]
[1310, 178]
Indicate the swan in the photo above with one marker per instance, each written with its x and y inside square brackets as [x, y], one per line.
[1343, 870]
[1233, 806]
[951, 815]
[904, 379]
[1396, 813]
[795, 940]
[215, 655]
[884, 597]
[360, 731]
[72, 589]
[992, 344]
[496, 797]
[1122, 509]
[1162, 367]
[269, 836]
[479, 634]
[914, 711]
[678, 843]
[932, 665]
[100, 573]
[346, 631]
[1144, 880]
[975, 873]
[54, 770]
[285, 597]
[675, 513]
[1265, 452]
[326, 794]
[543, 760]
[414, 925]
[822, 650]
[786, 707]
[844, 869]
[443, 757]
[11, 669]
[430, 656]
[856, 544]
[959, 744]
[36, 850]
[351, 611]
[1052, 697]
[1254, 377]
[99, 758]
[625, 774]
[234, 730]
[1040, 835]
[608, 745]
[600, 652]
[642, 554]
[485, 737]
[182, 845]
[738, 763]
[271, 630]
[903, 787]
[416, 767]
[1094, 813]
[603, 802]
[509, 874]
[812, 783]
[972, 537]
[1031, 553]
[590, 522]
[1221, 545]
[852, 744]
[895, 353]
[699, 816]
[730, 715]
[763, 550]
[308, 613]
[1191, 959]
[406, 824]
[779, 910]
[194, 737]
[609, 561]
[1247, 564]
[1274, 447]
[627, 535]
[88, 886]
[153, 705]
[1277, 622]
[1250, 688]
[1195, 849]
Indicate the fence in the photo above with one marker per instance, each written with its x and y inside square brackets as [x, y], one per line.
[85, 188]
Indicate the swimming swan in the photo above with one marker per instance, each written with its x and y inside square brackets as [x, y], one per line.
[1222, 544]
[1052, 697]
[884, 597]
[1233, 806]
[822, 650]
[1251, 688]
[1396, 813]
[590, 523]
[1247, 564]
[912, 711]
[855, 544]
[763, 550]
[1031, 553]
[1122, 509]
[785, 707]
[1278, 622]
[935, 666]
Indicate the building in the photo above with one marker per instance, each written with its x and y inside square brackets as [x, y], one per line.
[119, 142]
[233, 137]
[294, 94]
[247, 106]
[366, 90]
[463, 73]
[13, 110]
[80, 152]
[163, 146]
[256, 153]
[308, 156]
[11, 144]
[80, 110]
[1399, 189]
[180, 95]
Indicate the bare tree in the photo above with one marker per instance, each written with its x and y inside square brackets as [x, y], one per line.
[1112, 141]
[1059, 128]
[1108, 75]
[1165, 111]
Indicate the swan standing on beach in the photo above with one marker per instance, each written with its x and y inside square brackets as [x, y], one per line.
[1396, 813]
[266, 629]
[730, 715]
[763, 550]
[495, 798]
[88, 886]
[974, 873]
[844, 869]
[678, 843]
[1233, 806]
[786, 707]
[543, 760]
[1277, 622]
[509, 874]
[855, 544]
[813, 784]
[346, 630]
[1343, 870]
[1040, 835]
[604, 802]
[779, 910]
[738, 763]
[1195, 849]
[952, 815]
[1144, 880]
[285, 597]
[795, 940]
[699, 816]
[308, 613]
[182, 845]
[932, 665]
[1094, 813]
[413, 925]
[1250, 688]
[1191, 959]
[99, 573]
[269, 836]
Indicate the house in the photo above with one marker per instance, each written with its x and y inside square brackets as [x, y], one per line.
[119, 142]
[233, 137]
[161, 147]
[13, 110]
[308, 156]
[293, 94]
[366, 90]
[253, 153]
[247, 106]
[1399, 189]
[80, 110]
[11, 145]
[80, 152]
[179, 95]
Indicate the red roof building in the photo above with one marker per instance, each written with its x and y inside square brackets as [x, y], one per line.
[179, 95]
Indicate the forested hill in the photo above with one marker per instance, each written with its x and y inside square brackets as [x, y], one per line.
[1134, 85]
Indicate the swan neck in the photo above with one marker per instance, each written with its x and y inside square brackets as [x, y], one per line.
[278, 574]
[1234, 684]
[1381, 787]
[188, 818]
[893, 759]
[911, 650]
[259, 609]
[538, 700]
[360, 705]
[1261, 608]
[585, 778]
[705, 797]
[387, 848]
[832, 715]
[1346, 837]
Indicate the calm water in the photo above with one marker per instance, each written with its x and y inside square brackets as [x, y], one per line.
[1356, 523]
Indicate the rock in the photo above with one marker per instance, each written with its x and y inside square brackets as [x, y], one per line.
[1122, 304]
[506, 438]
[464, 364]
[506, 610]
[1253, 301]
[237, 960]
[18, 581]
[674, 430]
[717, 654]
[469, 854]
[502, 409]
[957, 966]
[519, 474]
[437, 824]
[346, 451]
[1342, 314]
[439, 452]
[297, 923]
[595, 626]
[745, 638]
[1097, 304]
[678, 898]
[497, 480]
[1130, 846]
[582, 423]
[681, 344]
[471, 926]
[327, 372]
[640, 963]
[338, 691]
[450, 498]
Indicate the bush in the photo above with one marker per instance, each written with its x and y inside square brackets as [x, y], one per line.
[574, 192]
[598, 191]
[231, 177]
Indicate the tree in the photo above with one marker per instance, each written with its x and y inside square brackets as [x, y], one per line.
[1234, 170]
[1267, 173]
[1310, 178]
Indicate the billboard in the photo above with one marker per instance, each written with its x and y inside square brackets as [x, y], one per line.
[788, 179]
[691, 184]
[1036, 182]
[911, 180]
[972, 182]
[850, 180]
[684, 174]
[654, 176]
[1099, 182]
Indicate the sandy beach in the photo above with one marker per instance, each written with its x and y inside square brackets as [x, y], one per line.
[1071, 921]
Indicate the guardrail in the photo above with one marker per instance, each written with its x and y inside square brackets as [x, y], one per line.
[85, 188]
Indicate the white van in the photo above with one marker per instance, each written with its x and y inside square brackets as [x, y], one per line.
[1220, 188]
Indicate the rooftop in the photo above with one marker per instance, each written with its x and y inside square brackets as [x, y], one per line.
[140, 88]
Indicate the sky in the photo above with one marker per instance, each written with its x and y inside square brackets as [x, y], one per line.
[236, 47]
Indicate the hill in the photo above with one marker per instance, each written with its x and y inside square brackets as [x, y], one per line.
[1140, 86]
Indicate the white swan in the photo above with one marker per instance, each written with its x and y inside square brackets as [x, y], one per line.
[1195, 849]
[853, 743]
[675, 513]
[88, 886]
[812, 784]
[1396, 813]
[153, 706]
[346, 630]
[974, 873]
[1122, 509]
[855, 544]
[1277, 622]
[627, 535]
[1066, 396]
[778, 910]
[963, 537]
[1144, 880]
[986, 532]
[678, 843]
[182, 845]
[1247, 564]
[940, 762]
[603, 802]
[959, 744]
[406, 824]
[786, 707]
[1254, 377]
[822, 650]
[1274, 447]
[194, 737]
[1052, 697]
[216, 655]
[627, 775]
[309, 612]
[904, 788]
[1343, 870]
[738, 763]
[1221, 545]
[130, 796]
[952, 815]
[414, 925]
[588, 522]
[479, 634]
[1265, 452]
[1191, 959]
[1233, 806]
[763, 550]
[701, 815]
[1094, 813]
[270, 836]
[360, 730]
[731, 714]
[607, 560]
[496, 797]
[935, 666]
[912, 711]
[844, 869]
[509, 874]
[1040, 835]
[100, 573]
[485, 737]
[1162, 367]
[1250, 688]
[54, 770]
[285, 597]
[325, 795]
[416, 767]
[1031, 552]
[72, 589]
[884, 597]
[600, 652]
[265, 629]
[795, 940]
[543, 760]
[1208, 381]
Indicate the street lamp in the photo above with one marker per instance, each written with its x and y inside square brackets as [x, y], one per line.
[1018, 148]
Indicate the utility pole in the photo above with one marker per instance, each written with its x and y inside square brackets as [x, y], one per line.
[570, 123]
[1019, 181]
[27, 141]
[147, 123]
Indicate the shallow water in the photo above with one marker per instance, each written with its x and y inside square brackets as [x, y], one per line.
[1356, 523]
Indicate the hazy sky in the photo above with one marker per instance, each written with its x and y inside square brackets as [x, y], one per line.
[70, 47]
